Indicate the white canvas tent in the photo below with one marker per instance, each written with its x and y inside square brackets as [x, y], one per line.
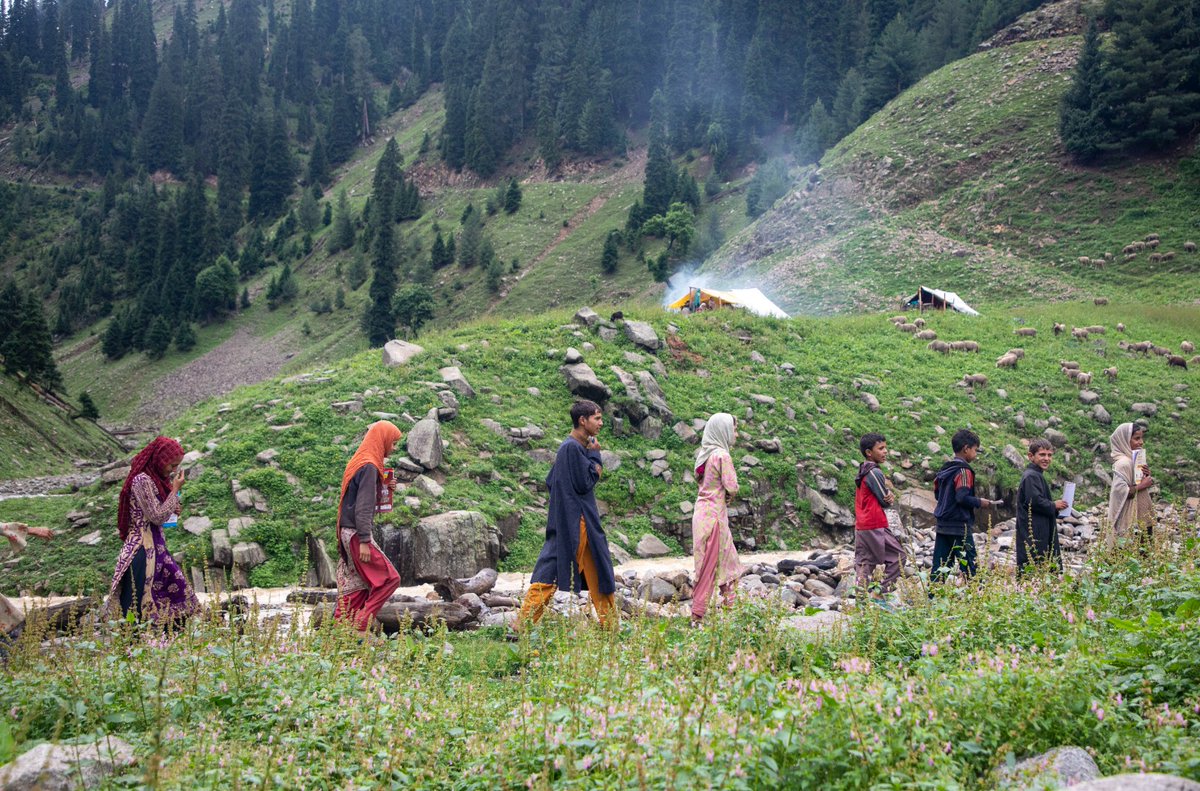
[751, 299]
[940, 300]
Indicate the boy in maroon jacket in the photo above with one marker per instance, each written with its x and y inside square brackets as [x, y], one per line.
[874, 544]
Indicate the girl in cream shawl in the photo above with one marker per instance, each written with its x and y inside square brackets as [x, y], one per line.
[716, 559]
[1129, 506]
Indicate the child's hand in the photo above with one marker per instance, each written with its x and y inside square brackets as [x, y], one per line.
[1060, 505]
[891, 498]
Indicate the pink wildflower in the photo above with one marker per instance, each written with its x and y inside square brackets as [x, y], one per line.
[1091, 614]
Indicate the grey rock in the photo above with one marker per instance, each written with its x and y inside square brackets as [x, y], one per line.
[871, 401]
[492, 425]
[267, 455]
[633, 358]
[687, 506]
[827, 483]
[817, 588]
[1089, 397]
[751, 582]
[750, 461]
[64, 767]
[1144, 408]
[115, 475]
[247, 498]
[499, 618]
[429, 486]
[572, 356]
[586, 317]
[610, 460]
[933, 447]
[791, 598]
[755, 357]
[454, 544]
[424, 443]
[452, 376]
[825, 508]
[772, 445]
[1056, 437]
[1013, 457]
[651, 428]
[197, 525]
[398, 352]
[1150, 781]
[655, 396]
[619, 556]
[658, 590]
[346, 407]
[650, 546]
[222, 548]
[1062, 766]
[607, 333]
[92, 539]
[322, 563]
[759, 398]
[642, 334]
[1100, 415]
[583, 382]
[821, 622]
[917, 506]
[685, 432]
[248, 555]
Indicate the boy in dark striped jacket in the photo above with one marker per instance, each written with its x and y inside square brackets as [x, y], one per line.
[954, 488]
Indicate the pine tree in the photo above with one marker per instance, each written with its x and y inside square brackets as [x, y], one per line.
[318, 164]
[512, 197]
[661, 178]
[87, 407]
[1079, 121]
[612, 253]
[342, 236]
[470, 241]
[11, 301]
[437, 251]
[36, 357]
[113, 343]
[185, 337]
[892, 66]
[158, 338]
[282, 289]
[309, 213]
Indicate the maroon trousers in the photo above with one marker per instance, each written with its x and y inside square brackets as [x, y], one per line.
[380, 575]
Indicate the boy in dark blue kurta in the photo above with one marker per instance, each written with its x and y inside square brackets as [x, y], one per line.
[576, 550]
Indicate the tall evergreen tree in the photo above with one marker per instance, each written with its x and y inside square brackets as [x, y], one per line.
[342, 236]
[1080, 122]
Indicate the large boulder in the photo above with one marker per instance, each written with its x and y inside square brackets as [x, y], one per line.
[1150, 781]
[222, 548]
[248, 555]
[399, 352]
[642, 334]
[825, 508]
[658, 590]
[1062, 766]
[60, 767]
[650, 546]
[452, 376]
[424, 443]
[655, 396]
[635, 405]
[917, 506]
[454, 544]
[583, 382]
[587, 317]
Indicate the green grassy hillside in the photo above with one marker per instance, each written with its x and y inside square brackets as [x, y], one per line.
[708, 368]
[961, 183]
[39, 437]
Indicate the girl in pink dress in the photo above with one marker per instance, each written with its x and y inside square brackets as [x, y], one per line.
[716, 559]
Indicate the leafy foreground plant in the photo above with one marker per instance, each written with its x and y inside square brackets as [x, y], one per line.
[940, 694]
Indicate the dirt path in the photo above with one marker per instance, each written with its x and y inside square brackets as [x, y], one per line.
[43, 486]
[631, 171]
[242, 359]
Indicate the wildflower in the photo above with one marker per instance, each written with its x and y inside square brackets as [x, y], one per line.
[1099, 712]
[1091, 614]
[586, 763]
[929, 649]
[709, 756]
[1070, 617]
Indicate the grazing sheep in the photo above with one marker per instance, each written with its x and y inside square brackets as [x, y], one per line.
[1006, 361]
[899, 319]
[920, 322]
[1097, 263]
[1169, 255]
[975, 380]
[1188, 347]
[1108, 256]
[1139, 247]
[939, 346]
[1130, 256]
[1195, 360]
[1177, 361]
[1072, 373]
[907, 327]
[1151, 237]
[1129, 250]
[1123, 345]
[1111, 373]
[1083, 259]
[1120, 326]
[1100, 301]
[1020, 353]
[1142, 346]
[1066, 364]
[1079, 333]
[1189, 247]
[1156, 258]
[1096, 329]
[1152, 243]
[1059, 329]
[968, 346]
[1161, 351]
[1028, 332]
[1083, 379]
[926, 335]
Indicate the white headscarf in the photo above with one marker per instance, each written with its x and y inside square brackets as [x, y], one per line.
[1119, 442]
[718, 435]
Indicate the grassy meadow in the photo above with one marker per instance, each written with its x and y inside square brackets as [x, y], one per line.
[946, 693]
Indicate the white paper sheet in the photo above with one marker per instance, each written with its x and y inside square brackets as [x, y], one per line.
[1069, 496]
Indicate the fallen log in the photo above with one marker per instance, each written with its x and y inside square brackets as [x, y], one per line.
[63, 618]
[450, 589]
[397, 616]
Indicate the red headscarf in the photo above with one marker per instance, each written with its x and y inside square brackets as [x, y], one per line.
[153, 460]
[381, 436]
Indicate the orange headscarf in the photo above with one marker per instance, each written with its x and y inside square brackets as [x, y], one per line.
[373, 450]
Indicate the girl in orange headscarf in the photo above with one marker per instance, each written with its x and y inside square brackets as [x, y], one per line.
[366, 578]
